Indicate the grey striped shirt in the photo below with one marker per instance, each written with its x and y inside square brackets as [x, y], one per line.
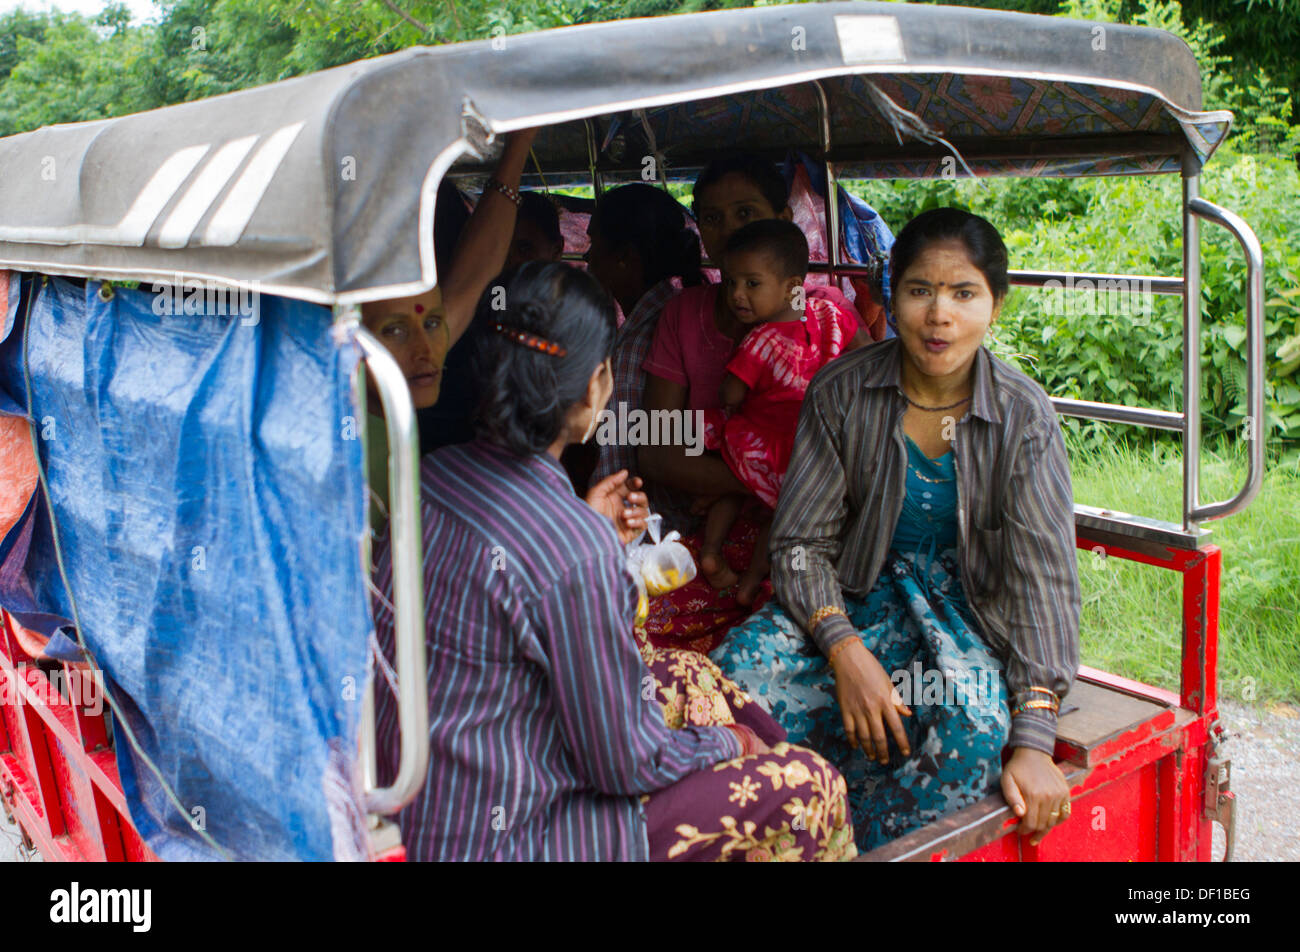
[843, 493]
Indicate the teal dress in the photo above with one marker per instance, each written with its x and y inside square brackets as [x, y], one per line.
[916, 623]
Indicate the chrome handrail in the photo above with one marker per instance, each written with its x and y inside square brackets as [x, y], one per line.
[408, 585]
[1250, 247]
[1118, 413]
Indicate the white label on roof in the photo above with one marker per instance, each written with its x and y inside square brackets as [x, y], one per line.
[869, 38]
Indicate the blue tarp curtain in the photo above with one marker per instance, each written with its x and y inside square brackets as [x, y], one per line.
[208, 486]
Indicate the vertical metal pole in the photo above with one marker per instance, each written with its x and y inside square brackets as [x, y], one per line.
[1191, 345]
[832, 185]
[408, 576]
[369, 749]
[597, 184]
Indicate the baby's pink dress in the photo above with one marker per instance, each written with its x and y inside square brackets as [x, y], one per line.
[776, 361]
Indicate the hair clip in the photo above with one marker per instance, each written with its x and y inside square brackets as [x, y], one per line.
[531, 340]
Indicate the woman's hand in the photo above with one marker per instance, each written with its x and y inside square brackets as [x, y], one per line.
[750, 742]
[1036, 791]
[616, 498]
[869, 703]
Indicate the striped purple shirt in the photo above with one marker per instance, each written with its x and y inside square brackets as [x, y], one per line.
[543, 727]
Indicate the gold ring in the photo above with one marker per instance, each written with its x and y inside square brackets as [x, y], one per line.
[1065, 810]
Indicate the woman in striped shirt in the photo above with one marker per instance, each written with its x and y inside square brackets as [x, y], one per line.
[923, 556]
[552, 735]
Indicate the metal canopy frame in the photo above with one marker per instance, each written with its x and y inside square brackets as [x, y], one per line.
[1122, 531]
[345, 97]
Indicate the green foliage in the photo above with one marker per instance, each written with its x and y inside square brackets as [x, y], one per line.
[64, 68]
[1120, 347]
[71, 73]
[14, 28]
[1260, 597]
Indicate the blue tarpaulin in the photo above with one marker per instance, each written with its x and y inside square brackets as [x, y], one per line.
[207, 482]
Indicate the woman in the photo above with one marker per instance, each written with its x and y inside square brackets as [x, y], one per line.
[419, 330]
[551, 738]
[536, 238]
[683, 371]
[642, 251]
[923, 557]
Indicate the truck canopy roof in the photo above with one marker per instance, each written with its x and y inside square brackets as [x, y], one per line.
[322, 187]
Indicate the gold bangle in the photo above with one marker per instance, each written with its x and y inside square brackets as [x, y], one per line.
[1035, 705]
[821, 614]
[838, 646]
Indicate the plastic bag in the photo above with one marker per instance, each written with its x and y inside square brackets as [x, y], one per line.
[659, 566]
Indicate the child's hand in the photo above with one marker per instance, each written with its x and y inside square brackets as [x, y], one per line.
[732, 393]
[616, 498]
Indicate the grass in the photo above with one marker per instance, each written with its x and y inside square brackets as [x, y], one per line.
[1131, 621]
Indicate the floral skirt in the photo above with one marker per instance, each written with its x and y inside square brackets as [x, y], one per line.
[697, 616]
[786, 805]
[916, 624]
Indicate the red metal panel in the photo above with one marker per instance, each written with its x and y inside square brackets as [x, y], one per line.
[1004, 850]
[77, 802]
[88, 705]
[1112, 823]
[1201, 629]
[37, 766]
[47, 706]
[44, 727]
[25, 803]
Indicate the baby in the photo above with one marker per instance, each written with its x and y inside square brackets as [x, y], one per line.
[794, 336]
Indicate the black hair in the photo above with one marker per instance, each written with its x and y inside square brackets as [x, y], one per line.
[525, 393]
[767, 178]
[541, 211]
[782, 241]
[653, 224]
[983, 245]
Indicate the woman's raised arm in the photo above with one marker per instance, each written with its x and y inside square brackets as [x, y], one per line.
[485, 242]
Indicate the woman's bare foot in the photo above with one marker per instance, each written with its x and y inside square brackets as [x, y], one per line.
[750, 583]
[717, 571]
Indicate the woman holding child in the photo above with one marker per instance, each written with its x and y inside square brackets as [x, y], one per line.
[925, 524]
[792, 337]
[694, 339]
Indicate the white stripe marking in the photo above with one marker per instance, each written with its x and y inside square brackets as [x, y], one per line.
[235, 212]
[153, 198]
[135, 224]
[185, 217]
